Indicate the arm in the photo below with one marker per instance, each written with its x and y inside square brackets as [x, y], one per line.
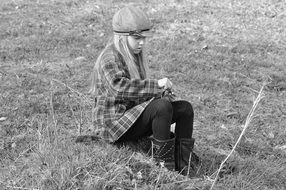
[124, 88]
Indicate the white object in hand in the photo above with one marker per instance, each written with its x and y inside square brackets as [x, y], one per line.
[165, 82]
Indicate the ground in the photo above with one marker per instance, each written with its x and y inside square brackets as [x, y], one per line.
[218, 54]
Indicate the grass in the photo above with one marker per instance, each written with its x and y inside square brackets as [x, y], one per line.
[217, 53]
[248, 120]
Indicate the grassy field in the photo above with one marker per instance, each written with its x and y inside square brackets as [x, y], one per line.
[218, 53]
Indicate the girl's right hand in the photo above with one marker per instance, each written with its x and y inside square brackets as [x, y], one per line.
[165, 83]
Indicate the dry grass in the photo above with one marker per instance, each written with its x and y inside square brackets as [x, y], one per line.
[247, 122]
[218, 53]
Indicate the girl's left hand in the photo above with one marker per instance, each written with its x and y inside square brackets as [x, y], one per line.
[169, 95]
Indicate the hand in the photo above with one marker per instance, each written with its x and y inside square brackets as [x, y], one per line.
[168, 95]
[165, 83]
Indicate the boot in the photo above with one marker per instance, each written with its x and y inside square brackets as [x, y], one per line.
[183, 150]
[163, 151]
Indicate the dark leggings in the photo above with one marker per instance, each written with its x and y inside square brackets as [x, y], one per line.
[157, 118]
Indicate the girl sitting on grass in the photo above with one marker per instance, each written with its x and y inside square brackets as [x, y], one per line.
[129, 105]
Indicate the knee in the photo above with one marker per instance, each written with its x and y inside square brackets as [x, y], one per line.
[164, 107]
[189, 109]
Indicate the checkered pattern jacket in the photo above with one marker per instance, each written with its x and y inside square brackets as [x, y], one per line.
[120, 100]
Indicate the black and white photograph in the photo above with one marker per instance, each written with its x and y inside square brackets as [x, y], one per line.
[143, 95]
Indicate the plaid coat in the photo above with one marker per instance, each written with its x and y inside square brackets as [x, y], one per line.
[120, 100]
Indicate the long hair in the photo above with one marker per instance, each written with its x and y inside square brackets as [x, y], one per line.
[135, 63]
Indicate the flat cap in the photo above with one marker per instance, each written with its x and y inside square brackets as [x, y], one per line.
[131, 21]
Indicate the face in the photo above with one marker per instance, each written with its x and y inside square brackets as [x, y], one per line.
[136, 43]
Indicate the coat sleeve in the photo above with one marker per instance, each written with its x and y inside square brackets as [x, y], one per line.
[124, 88]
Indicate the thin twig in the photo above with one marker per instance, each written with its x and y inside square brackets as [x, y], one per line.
[159, 176]
[176, 182]
[189, 164]
[248, 119]
[20, 188]
[81, 120]
[51, 104]
[13, 187]
[25, 151]
[75, 91]
[53, 114]
[78, 123]
[130, 158]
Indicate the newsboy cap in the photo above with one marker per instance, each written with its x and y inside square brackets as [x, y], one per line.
[131, 21]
